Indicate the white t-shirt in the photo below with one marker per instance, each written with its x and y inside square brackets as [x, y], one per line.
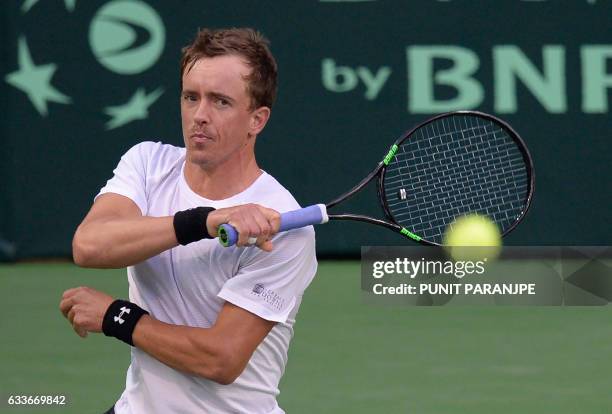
[187, 285]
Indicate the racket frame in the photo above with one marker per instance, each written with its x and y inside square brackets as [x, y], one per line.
[381, 167]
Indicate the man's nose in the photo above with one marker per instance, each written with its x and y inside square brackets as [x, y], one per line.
[202, 114]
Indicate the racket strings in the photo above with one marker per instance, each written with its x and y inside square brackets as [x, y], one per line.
[456, 165]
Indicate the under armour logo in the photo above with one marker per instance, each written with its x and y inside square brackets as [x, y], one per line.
[118, 318]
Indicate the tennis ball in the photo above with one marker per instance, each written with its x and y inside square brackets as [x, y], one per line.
[472, 237]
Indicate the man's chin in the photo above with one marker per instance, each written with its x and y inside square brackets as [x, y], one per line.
[199, 158]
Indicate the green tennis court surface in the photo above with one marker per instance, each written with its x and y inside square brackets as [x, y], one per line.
[346, 357]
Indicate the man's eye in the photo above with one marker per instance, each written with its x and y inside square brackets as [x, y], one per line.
[189, 97]
[222, 102]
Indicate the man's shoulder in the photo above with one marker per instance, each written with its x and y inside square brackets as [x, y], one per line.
[155, 156]
[273, 194]
[156, 150]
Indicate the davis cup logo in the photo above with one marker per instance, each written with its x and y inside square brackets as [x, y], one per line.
[126, 36]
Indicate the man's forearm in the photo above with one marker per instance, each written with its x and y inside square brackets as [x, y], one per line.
[115, 242]
[196, 351]
[219, 353]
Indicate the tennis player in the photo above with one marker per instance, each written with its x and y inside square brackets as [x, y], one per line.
[210, 326]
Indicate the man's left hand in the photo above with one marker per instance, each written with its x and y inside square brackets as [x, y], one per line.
[85, 307]
[250, 221]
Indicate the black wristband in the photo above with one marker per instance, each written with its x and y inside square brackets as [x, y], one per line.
[120, 320]
[190, 225]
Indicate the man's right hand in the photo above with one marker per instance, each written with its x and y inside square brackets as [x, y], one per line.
[249, 220]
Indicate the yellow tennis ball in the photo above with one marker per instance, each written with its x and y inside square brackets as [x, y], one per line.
[472, 237]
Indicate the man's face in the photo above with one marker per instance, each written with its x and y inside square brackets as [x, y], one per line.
[215, 110]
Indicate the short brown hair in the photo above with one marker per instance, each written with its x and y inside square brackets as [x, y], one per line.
[243, 42]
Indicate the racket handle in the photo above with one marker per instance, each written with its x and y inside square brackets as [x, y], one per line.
[315, 214]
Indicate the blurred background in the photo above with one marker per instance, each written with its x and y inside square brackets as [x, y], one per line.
[83, 81]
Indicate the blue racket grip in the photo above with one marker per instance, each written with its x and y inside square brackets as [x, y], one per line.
[315, 214]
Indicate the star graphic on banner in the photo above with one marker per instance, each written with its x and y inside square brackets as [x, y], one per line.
[136, 108]
[28, 4]
[35, 80]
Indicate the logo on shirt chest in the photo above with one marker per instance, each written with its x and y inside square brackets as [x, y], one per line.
[268, 296]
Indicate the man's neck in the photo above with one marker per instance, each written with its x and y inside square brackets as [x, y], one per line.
[221, 181]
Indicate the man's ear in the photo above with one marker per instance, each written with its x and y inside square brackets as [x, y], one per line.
[259, 118]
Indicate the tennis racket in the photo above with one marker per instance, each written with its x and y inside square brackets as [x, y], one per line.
[453, 164]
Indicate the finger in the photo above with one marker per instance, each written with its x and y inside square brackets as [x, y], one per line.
[257, 235]
[215, 219]
[246, 235]
[75, 326]
[262, 216]
[80, 331]
[66, 305]
[264, 228]
[247, 227]
[273, 225]
[78, 325]
[273, 218]
[243, 232]
[70, 292]
[261, 240]
[266, 246]
[71, 314]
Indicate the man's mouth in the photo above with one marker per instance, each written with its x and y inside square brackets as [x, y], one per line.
[200, 137]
